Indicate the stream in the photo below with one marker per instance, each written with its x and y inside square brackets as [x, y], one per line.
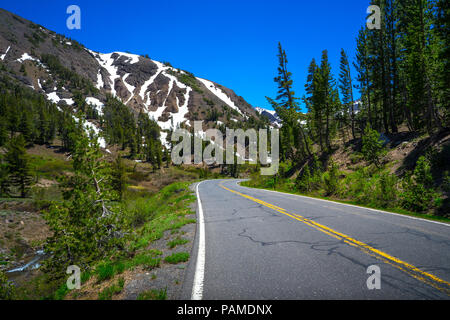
[23, 271]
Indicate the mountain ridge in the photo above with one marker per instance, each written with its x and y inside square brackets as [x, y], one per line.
[170, 96]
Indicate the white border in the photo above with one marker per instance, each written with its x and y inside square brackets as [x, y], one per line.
[197, 288]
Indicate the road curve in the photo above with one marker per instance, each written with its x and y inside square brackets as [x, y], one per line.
[259, 244]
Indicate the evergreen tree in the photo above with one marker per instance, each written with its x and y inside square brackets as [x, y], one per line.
[287, 109]
[362, 67]
[18, 164]
[372, 146]
[118, 180]
[327, 97]
[4, 179]
[442, 23]
[86, 226]
[313, 104]
[345, 84]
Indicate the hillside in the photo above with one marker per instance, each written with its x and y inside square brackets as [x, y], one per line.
[70, 75]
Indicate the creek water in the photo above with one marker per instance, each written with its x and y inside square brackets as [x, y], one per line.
[32, 263]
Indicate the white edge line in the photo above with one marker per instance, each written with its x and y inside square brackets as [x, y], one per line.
[197, 288]
[350, 205]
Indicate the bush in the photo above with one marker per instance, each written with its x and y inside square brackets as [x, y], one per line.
[304, 180]
[138, 211]
[7, 289]
[331, 179]
[417, 192]
[105, 271]
[372, 146]
[153, 295]
[178, 241]
[177, 258]
[108, 292]
[387, 190]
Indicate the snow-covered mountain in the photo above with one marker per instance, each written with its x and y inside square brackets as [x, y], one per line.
[273, 117]
[39, 58]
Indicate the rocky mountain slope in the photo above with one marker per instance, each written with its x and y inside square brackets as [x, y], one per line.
[271, 115]
[43, 60]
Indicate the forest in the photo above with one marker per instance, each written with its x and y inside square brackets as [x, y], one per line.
[402, 78]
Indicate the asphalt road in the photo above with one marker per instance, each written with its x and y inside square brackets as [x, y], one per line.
[259, 244]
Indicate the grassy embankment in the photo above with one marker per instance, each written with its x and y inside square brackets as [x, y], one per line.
[155, 202]
[412, 179]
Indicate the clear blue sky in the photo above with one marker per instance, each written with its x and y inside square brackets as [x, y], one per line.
[230, 42]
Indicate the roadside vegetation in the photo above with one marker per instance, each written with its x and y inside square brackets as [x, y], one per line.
[391, 148]
[101, 213]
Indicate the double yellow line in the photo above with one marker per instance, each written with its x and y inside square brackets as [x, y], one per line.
[413, 271]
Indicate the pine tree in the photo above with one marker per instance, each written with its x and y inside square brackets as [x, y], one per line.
[327, 97]
[362, 67]
[345, 84]
[18, 164]
[372, 146]
[4, 179]
[287, 109]
[313, 104]
[118, 180]
[87, 221]
[167, 157]
[442, 23]
[421, 66]
[26, 127]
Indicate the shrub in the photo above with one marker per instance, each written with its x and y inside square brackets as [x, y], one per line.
[372, 146]
[153, 295]
[108, 292]
[304, 180]
[387, 190]
[177, 258]
[331, 179]
[178, 241]
[105, 271]
[417, 192]
[7, 289]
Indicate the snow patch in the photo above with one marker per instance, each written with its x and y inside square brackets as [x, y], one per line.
[53, 97]
[163, 139]
[97, 104]
[100, 83]
[88, 126]
[130, 88]
[4, 55]
[133, 58]
[25, 57]
[106, 61]
[175, 118]
[219, 94]
[147, 83]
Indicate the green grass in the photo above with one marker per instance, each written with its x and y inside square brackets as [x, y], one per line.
[153, 295]
[169, 209]
[177, 257]
[147, 259]
[288, 189]
[109, 292]
[50, 167]
[150, 216]
[176, 242]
